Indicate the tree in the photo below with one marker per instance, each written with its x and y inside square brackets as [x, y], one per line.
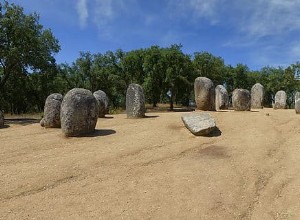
[210, 66]
[179, 74]
[155, 69]
[24, 45]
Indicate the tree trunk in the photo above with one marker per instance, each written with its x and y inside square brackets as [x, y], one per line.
[171, 102]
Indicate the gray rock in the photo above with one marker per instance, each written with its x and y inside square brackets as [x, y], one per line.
[135, 101]
[204, 94]
[280, 100]
[52, 111]
[1, 119]
[297, 102]
[102, 103]
[199, 123]
[221, 98]
[257, 96]
[79, 112]
[241, 100]
[42, 122]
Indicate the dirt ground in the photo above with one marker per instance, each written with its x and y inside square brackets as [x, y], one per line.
[154, 168]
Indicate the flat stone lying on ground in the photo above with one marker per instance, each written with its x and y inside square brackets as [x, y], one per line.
[1, 119]
[52, 111]
[200, 124]
[280, 100]
[102, 103]
[79, 112]
[241, 100]
[135, 101]
[257, 96]
[297, 102]
[221, 98]
[204, 94]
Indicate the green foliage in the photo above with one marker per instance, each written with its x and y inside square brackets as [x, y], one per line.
[25, 47]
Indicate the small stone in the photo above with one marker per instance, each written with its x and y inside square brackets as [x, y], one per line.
[102, 103]
[135, 101]
[297, 102]
[79, 112]
[204, 94]
[52, 111]
[1, 119]
[280, 100]
[200, 124]
[221, 98]
[257, 96]
[241, 100]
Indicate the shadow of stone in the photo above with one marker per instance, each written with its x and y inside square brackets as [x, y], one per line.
[99, 132]
[108, 117]
[182, 110]
[215, 133]
[22, 121]
[4, 126]
[151, 116]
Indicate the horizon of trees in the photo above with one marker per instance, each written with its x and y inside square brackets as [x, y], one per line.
[29, 73]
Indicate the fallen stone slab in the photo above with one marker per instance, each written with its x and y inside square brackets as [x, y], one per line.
[200, 124]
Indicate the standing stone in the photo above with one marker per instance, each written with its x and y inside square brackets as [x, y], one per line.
[257, 96]
[52, 111]
[241, 100]
[102, 99]
[297, 102]
[221, 98]
[280, 100]
[135, 101]
[79, 112]
[1, 119]
[204, 94]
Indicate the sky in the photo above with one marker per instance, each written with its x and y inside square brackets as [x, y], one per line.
[256, 33]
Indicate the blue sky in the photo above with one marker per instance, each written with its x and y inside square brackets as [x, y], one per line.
[257, 33]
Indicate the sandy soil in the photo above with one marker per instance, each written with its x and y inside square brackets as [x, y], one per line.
[154, 168]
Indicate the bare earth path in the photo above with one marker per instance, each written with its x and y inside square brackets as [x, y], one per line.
[154, 168]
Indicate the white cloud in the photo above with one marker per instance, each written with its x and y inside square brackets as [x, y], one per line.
[106, 12]
[268, 17]
[82, 10]
[195, 9]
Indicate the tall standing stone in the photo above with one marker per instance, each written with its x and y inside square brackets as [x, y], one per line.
[204, 94]
[79, 112]
[280, 100]
[297, 102]
[52, 111]
[221, 98]
[241, 100]
[135, 101]
[102, 103]
[1, 119]
[257, 96]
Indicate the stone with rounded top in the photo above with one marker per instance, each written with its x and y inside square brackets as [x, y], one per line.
[102, 99]
[204, 94]
[297, 102]
[135, 101]
[280, 100]
[257, 96]
[79, 112]
[221, 98]
[1, 119]
[241, 100]
[52, 111]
